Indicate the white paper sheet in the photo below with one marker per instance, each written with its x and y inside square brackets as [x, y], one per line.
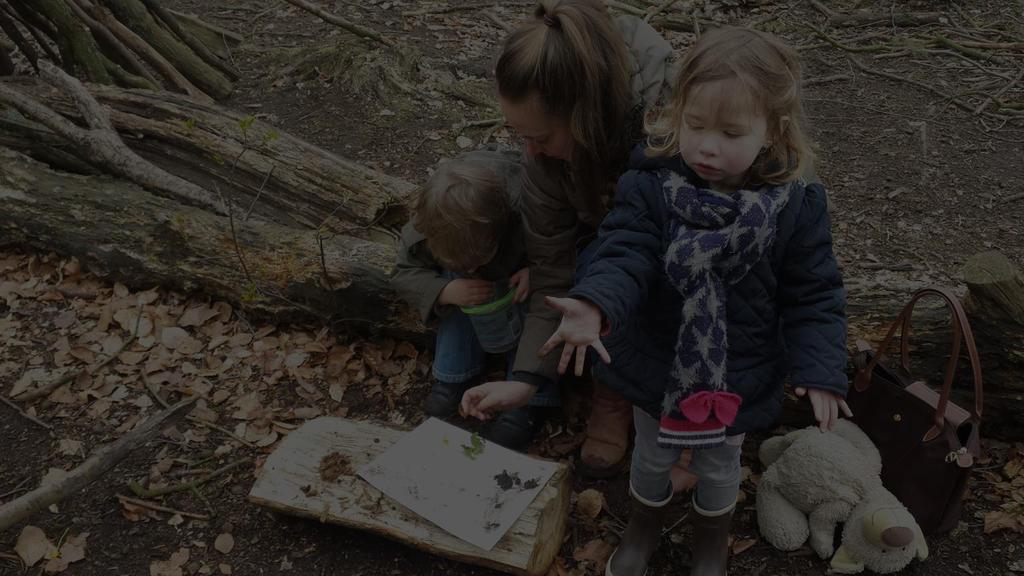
[470, 487]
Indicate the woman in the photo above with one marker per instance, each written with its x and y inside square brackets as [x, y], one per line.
[575, 85]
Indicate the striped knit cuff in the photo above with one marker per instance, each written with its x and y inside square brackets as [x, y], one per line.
[674, 433]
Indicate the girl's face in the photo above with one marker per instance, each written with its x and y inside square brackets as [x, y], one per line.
[542, 133]
[722, 133]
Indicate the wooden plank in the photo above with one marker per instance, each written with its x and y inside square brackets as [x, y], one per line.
[291, 482]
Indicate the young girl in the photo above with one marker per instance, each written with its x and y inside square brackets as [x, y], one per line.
[712, 279]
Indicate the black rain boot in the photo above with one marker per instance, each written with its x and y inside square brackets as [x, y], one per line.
[515, 428]
[710, 541]
[444, 398]
[640, 539]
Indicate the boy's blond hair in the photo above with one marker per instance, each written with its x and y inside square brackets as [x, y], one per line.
[770, 73]
[463, 212]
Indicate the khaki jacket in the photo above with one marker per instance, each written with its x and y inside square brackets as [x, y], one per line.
[558, 217]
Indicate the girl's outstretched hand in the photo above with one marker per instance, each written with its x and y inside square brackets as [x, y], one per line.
[826, 405]
[580, 328]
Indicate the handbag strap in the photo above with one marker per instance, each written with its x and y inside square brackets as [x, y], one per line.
[961, 332]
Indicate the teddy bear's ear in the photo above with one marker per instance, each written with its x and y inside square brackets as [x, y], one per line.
[921, 543]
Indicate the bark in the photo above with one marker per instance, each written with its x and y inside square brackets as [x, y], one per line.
[141, 239]
[302, 185]
[291, 482]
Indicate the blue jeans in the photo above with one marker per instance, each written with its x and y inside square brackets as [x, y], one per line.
[458, 358]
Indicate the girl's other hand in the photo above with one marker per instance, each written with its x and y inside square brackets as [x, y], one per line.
[826, 405]
[580, 328]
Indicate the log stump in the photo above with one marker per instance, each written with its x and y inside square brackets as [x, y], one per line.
[291, 482]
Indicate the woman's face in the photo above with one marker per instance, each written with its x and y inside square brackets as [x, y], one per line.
[542, 133]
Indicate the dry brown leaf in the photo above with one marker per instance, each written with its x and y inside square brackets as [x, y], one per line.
[1013, 468]
[741, 546]
[997, 520]
[296, 359]
[72, 550]
[33, 545]
[590, 502]
[596, 552]
[65, 319]
[306, 413]
[337, 391]
[172, 337]
[197, 316]
[171, 566]
[69, 447]
[224, 543]
[248, 406]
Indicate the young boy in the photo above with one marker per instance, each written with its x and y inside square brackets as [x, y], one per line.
[464, 248]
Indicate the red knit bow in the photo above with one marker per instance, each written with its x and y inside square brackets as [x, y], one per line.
[699, 406]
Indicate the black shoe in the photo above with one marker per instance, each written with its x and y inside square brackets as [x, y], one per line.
[444, 398]
[516, 428]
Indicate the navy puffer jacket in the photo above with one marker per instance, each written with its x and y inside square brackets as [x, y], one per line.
[786, 317]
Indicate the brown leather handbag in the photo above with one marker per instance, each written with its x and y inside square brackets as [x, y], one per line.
[928, 444]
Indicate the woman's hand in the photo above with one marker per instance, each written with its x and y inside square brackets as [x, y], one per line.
[521, 280]
[480, 401]
[580, 328]
[826, 405]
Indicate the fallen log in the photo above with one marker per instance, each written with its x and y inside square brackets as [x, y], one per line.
[286, 180]
[290, 482]
[273, 271]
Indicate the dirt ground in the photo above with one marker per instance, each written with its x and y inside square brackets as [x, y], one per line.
[918, 182]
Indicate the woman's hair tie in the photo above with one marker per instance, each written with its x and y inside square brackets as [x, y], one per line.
[550, 21]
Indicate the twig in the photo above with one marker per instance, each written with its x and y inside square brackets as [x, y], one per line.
[457, 8]
[677, 523]
[623, 7]
[144, 493]
[972, 52]
[213, 426]
[1012, 198]
[234, 235]
[897, 78]
[902, 20]
[258, 193]
[508, 28]
[656, 10]
[154, 506]
[323, 259]
[26, 415]
[19, 488]
[103, 459]
[339, 21]
[824, 36]
[485, 123]
[826, 79]
[209, 507]
[995, 97]
[823, 9]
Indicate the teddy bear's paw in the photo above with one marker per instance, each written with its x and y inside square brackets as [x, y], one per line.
[843, 563]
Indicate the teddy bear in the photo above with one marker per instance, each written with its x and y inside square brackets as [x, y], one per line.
[814, 480]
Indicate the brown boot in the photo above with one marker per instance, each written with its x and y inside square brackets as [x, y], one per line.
[607, 445]
[639, 540]
[710, 541]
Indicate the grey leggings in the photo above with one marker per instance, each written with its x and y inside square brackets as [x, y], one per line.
[718, 469]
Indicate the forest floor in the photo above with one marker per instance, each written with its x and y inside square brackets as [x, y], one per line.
[921, 172]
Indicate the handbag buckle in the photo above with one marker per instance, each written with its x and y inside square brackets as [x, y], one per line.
[956, 455]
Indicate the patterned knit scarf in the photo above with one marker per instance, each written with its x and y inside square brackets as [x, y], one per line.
[716, 238]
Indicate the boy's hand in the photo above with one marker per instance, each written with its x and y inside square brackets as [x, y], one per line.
[521, 280]
[826, 405]
[480, 401]
[580, 327]
[466, 292]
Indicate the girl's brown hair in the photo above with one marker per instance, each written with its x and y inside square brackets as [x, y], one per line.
[769, 71]
[463, 211]
[573, 57]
